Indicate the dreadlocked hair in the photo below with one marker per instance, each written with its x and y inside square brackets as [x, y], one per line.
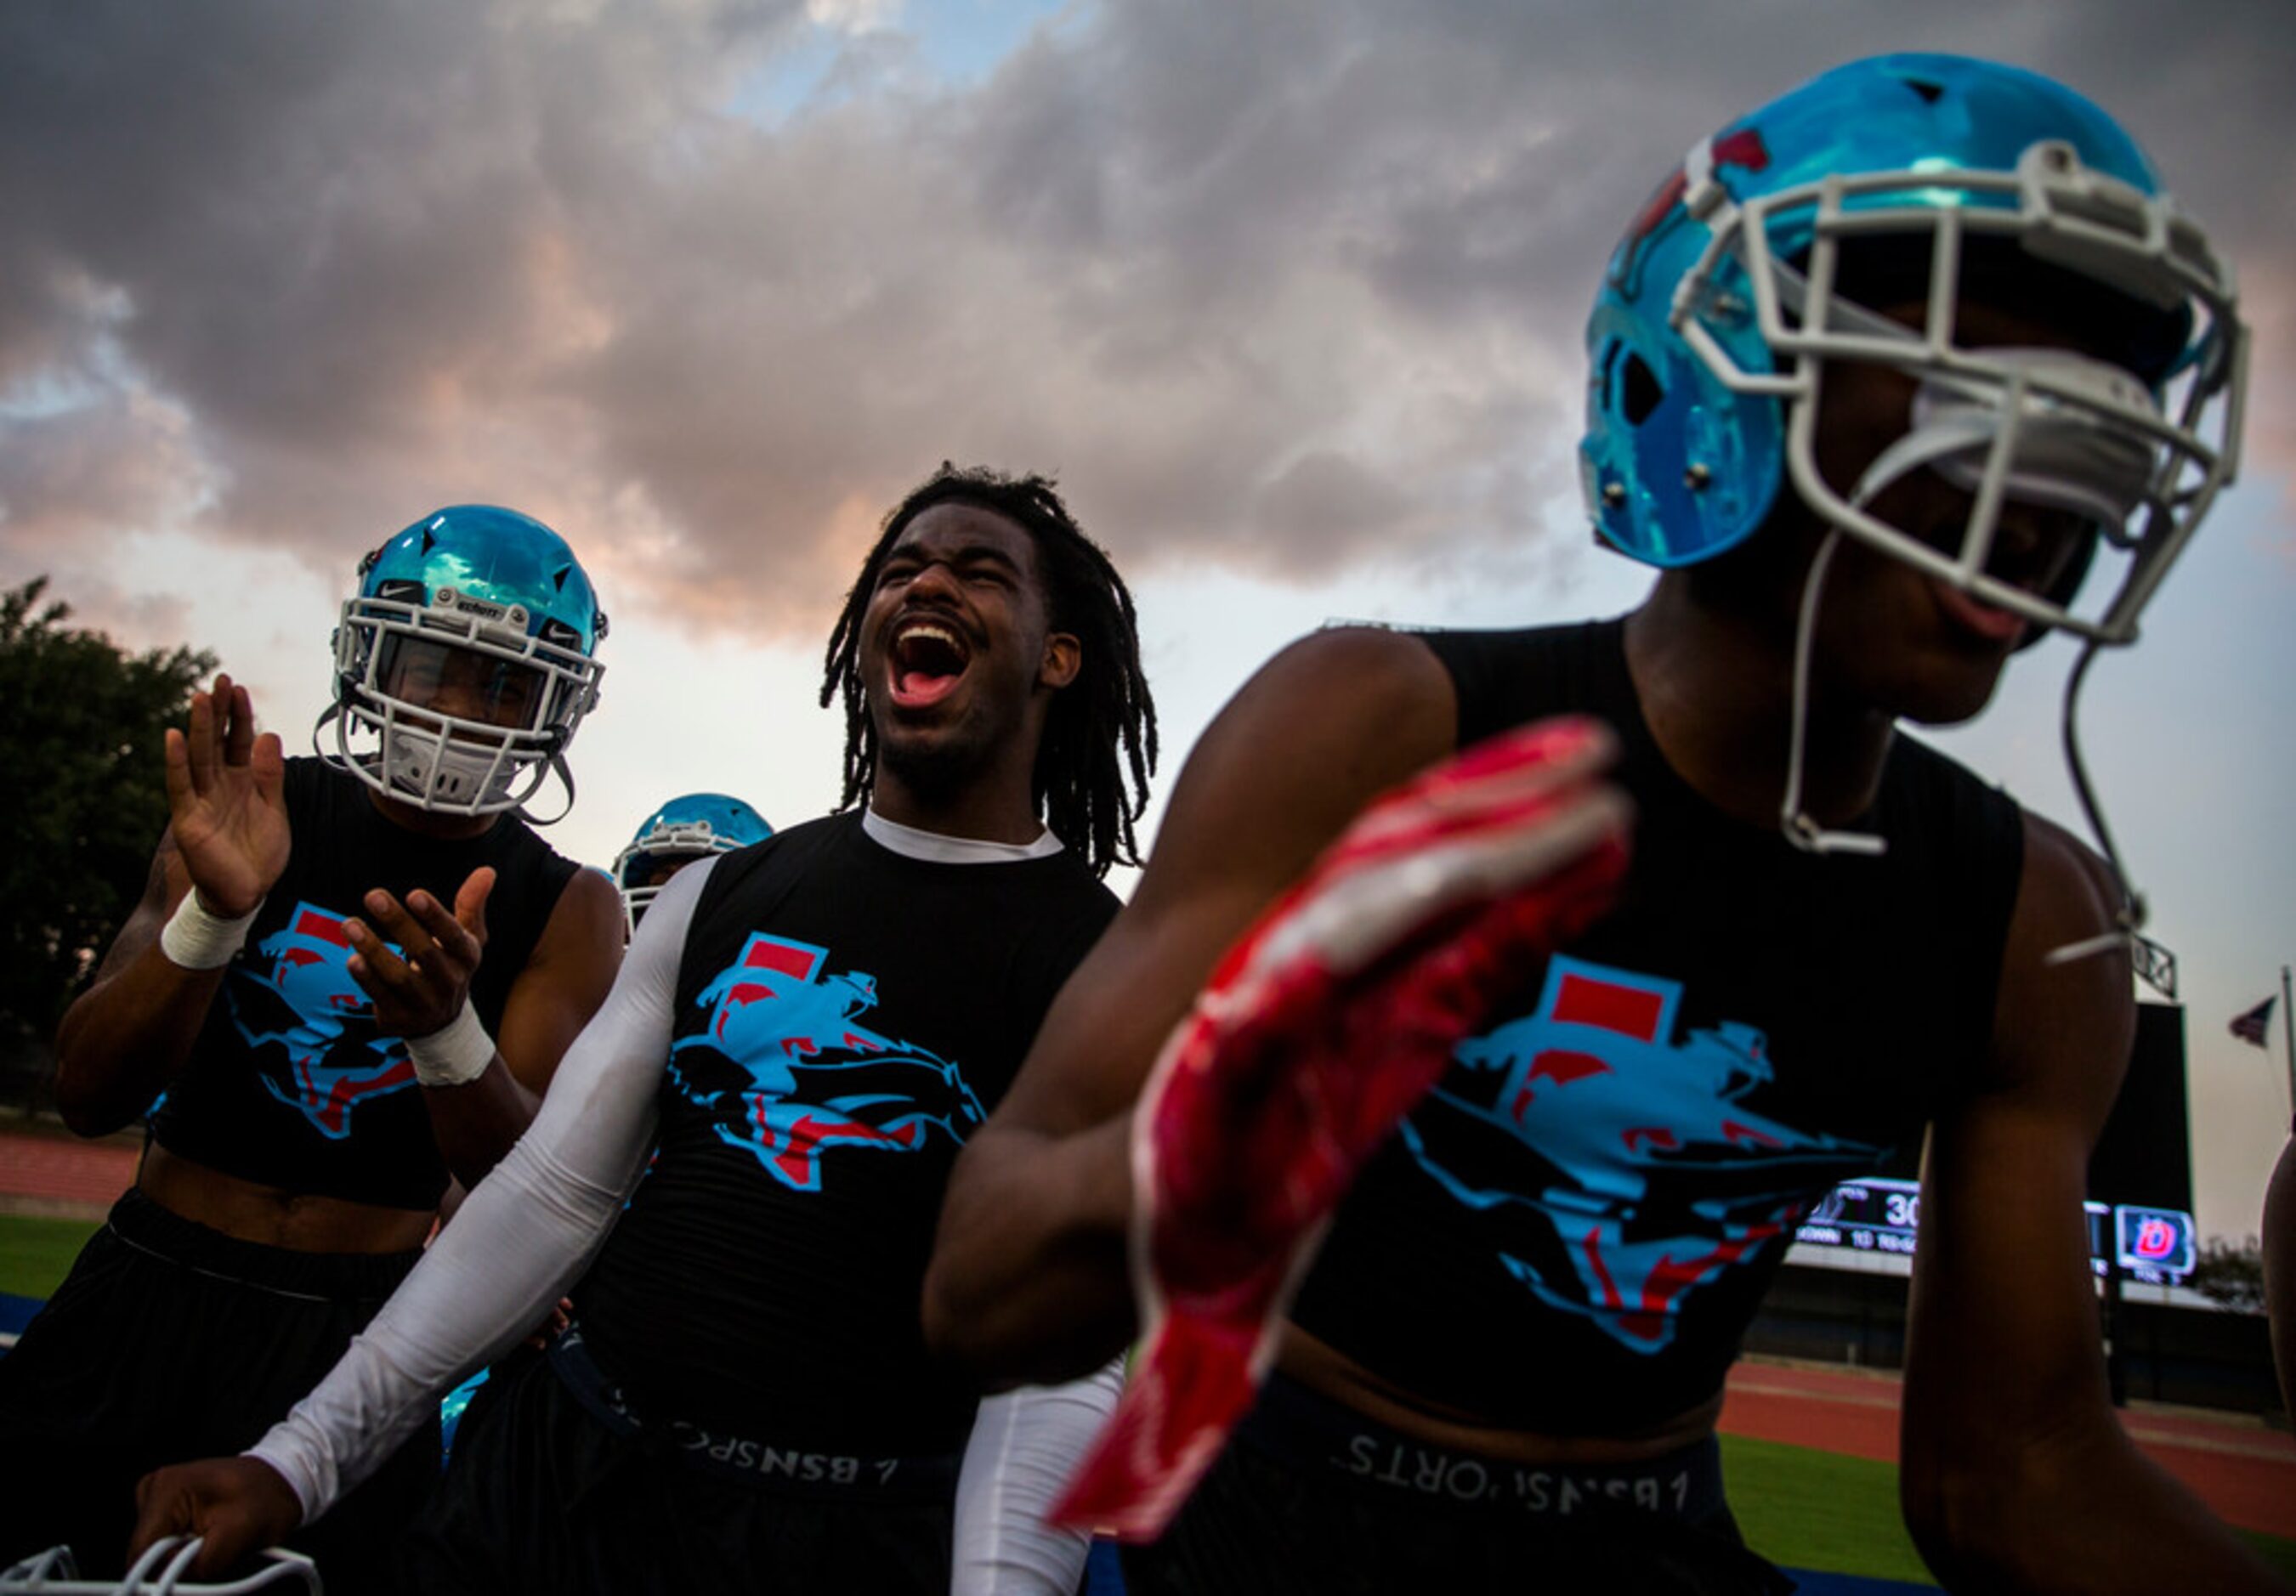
[1100, 728]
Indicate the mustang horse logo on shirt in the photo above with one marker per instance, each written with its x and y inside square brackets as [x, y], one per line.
[785, 1071]
[1650, 1176]
[334, 1060]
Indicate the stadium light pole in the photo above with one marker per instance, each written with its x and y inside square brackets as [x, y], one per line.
[2288, 1025]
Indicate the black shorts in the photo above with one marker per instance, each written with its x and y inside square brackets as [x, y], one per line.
[541, 1497]
[170, 1341]
[1314, 1498]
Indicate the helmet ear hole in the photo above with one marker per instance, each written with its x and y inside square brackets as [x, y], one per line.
[1640, 391]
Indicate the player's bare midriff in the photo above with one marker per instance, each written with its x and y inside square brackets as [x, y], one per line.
[297, 1222]
[1329, 1372]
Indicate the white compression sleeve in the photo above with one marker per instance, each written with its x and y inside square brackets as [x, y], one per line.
[1025, 1444]
[525, 1234]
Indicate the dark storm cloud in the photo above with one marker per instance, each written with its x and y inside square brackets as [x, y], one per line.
[337, 243]
[1283, 284]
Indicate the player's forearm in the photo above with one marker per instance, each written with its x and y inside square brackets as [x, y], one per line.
[524, 1235]
[124, 1039]
[1025, 1445]
[1028, 1279]
[2096, 1518]
[520, 1240]
[2280, 1269]
[477, 1123]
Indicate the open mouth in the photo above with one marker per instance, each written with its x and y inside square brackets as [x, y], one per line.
[2037, 554]
[1975, 614]
[929, 659]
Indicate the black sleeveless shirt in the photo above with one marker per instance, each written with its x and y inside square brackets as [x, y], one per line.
[1570, 1234]
[287, 1082]
[846, 1016]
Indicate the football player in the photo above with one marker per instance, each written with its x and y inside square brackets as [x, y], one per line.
[348, 980]
[1876, 377]
[673, 836]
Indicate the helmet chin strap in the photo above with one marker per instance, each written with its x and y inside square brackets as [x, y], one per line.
[559, 768]
[340, 757]
[1806, 834]
[425, 764]
[2129, 918]
[1799, 829]
[2061, 460]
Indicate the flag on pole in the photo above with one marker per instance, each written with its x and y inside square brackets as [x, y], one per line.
[2250, 1027]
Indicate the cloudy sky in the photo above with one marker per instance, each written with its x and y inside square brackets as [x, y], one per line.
[1288, 293]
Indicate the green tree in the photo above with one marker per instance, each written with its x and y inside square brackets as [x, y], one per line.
[2231, 1272]
[82, 800]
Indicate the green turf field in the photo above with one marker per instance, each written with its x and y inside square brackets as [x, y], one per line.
[2280, 1553]
[1804, 1509]
[36, 1254]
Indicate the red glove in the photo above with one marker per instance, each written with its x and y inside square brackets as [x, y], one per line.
[1318, 1032]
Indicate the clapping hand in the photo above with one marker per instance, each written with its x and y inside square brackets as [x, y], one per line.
[415, 960]
[226, 801]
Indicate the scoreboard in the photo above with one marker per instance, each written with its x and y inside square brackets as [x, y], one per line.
[2151, 1246]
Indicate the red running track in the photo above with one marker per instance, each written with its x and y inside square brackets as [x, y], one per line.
[2245, 1472]
[60, 1173]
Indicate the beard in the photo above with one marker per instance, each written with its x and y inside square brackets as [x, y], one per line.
[935, 769]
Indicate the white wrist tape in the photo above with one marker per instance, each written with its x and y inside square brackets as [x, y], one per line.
[196, 939]
[455, 1055]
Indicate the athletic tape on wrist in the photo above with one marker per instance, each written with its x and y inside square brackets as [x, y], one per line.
[195, 938]
[455, 1055]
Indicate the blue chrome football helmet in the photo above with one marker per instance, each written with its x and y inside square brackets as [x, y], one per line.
[1735, 290]
[468, 655]
[685, 829]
